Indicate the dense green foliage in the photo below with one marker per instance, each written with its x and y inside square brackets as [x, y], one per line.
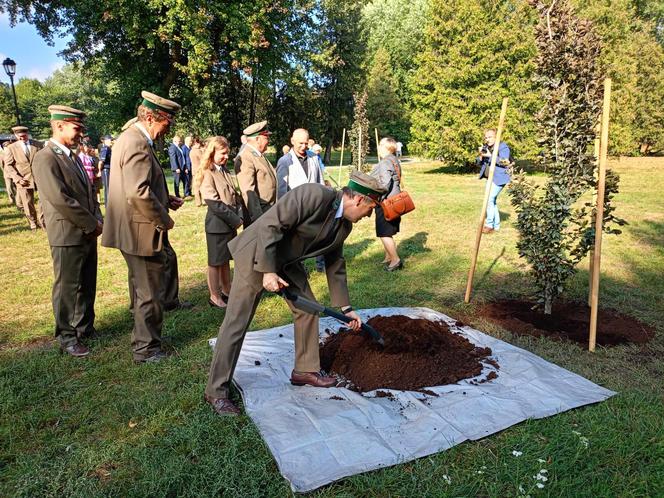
[434, 71]
[475, 52]
[384, 108]
[555, 234]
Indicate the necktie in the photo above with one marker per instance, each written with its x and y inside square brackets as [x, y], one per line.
[27, 151]
[79, 167]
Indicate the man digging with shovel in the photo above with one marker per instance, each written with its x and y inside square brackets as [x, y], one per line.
[310, 220]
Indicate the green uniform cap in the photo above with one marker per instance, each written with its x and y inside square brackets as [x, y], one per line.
[157, 103]
[365, 184]
[66, 113]
[257, 129]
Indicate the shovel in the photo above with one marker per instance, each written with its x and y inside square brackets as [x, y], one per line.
[314, 308]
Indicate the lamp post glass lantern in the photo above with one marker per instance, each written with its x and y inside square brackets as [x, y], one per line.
[10, 68]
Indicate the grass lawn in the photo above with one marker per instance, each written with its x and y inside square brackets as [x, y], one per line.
[103, 426]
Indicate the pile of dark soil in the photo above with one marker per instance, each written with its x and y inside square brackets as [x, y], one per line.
[418, 353]
[568, 320]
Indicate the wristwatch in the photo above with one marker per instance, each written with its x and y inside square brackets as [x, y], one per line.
[346, 309]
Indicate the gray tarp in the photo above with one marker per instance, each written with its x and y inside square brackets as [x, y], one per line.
[316, 440]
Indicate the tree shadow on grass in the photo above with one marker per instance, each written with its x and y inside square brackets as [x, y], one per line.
[415, 244]
[452, 170]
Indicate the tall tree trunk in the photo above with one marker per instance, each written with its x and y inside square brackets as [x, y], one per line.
[254, 80]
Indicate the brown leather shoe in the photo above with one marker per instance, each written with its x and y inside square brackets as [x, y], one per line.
[487, 230]
[315, 379]
[76, 350]
[223, 406]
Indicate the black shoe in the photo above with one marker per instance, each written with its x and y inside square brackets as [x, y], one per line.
[153, 358]
[396, 267]
[224, 297]
[180, 305]
[215, 305]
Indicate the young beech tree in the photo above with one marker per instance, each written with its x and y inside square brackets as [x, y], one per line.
[555, 230]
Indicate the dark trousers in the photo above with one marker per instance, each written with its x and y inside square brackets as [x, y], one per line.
[187, 179]
[105, 180]
[176, 182]
[146, 278]
[170, 297]
[74, 289]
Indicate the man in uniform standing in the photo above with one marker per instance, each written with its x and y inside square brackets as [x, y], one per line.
[105, 164]
[255, 174]
[18, 163]
[137, 220]
[73, 223]
[308, 221]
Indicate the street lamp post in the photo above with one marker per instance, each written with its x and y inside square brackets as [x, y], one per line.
[10, 69]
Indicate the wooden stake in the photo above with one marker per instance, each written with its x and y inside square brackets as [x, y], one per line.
[377, 152]
[591, 255]
[487, 193]
[341, 161]
[359, 148]
[599, 214]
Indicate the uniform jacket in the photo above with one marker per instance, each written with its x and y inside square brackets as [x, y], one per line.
[257, 180]
[71, 211]
[290, 173]
[176, 157]
[300, 226]
[501, 174]
[195, 156]
[18, 166]
[137, 211]
[223, 214]
[386, 174]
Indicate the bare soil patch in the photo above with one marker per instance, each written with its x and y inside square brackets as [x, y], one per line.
[568, 320]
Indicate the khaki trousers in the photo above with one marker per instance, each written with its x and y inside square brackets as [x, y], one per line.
[10, 187]
[74, 289]
[245, 295]
[31, 209]
[146, 279]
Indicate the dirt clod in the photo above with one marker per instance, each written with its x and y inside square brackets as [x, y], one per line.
[418, 353]
[257, 363]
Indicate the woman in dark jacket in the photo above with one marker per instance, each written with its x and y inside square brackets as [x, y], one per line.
[223, 217]
[388, 174]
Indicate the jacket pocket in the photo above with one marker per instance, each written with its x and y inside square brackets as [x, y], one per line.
[139, 218]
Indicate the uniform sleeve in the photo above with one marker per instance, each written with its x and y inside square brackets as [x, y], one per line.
[53, 189]
[246, 177]
[335, 270]
[10, 165]
[136, 171]
[282, 176]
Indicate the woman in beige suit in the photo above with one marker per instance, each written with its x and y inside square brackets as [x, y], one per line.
[223, 217]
